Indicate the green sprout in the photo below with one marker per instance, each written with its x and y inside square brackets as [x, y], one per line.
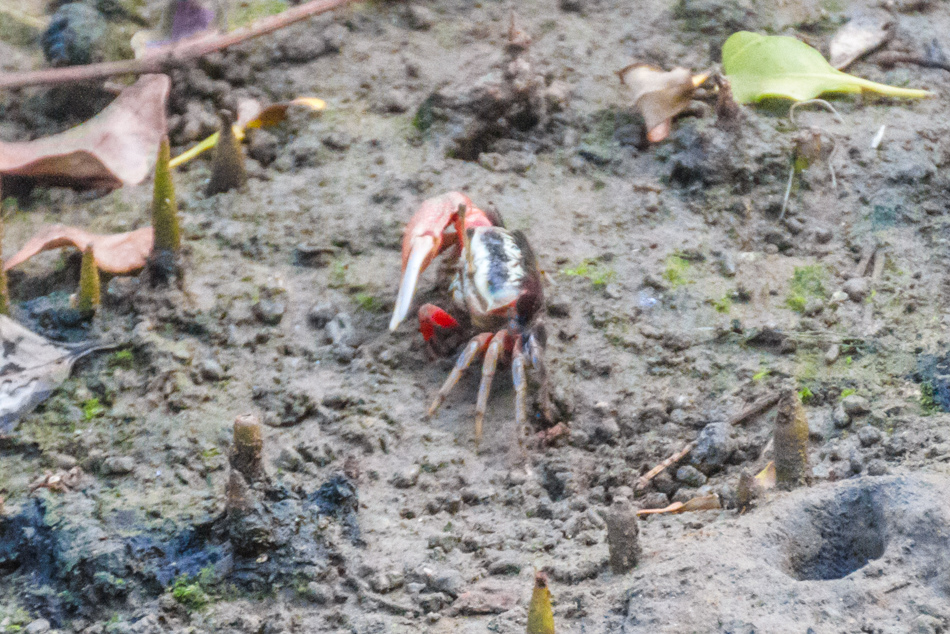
[597, 272]
[808, 282]
[676, 271]
[845, 393]
[805, 394]
[92, 408]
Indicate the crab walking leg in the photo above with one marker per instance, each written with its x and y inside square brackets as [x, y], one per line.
[518, 377]
[495, 349]
[474, 348]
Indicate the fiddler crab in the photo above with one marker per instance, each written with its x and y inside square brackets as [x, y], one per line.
[496, 290]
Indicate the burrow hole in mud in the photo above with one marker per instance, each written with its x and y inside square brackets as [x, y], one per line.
[846, 533]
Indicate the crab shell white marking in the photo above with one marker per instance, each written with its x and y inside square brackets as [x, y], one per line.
[490, 277]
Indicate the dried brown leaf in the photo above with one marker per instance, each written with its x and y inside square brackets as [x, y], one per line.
[702, 503]
[116, 147]
[659, 95]
[861, 35]
[116, 253]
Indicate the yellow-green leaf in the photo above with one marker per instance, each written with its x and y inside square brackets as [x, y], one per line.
[762, 66]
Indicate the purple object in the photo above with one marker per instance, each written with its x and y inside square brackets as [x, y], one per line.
[190, 18]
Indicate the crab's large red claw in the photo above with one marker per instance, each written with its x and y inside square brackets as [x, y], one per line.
[423, 240]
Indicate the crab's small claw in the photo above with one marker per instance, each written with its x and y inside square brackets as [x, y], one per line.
[426, 236]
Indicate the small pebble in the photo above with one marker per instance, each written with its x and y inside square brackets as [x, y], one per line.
[39, 626]
[840, 417]
[869, 435]
[832, 354]
[855, 405]
[877, 467]
[407, 477]
[269, 312]
[713, 447]
[857, 288]
[118, 465]
[654, 500]
[690, 476]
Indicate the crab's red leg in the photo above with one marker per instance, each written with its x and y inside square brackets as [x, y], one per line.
[495, 348]
[474, 348]
[425, 238]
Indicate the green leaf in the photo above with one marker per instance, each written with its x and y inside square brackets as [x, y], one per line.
[761, 66]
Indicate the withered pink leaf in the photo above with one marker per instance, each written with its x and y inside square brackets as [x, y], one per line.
[116, 147]
[116, 253]
[659, 95]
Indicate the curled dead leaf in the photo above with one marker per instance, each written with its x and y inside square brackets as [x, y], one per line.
[660, 95]
[116, 147]
[117, 253]
[31, 368]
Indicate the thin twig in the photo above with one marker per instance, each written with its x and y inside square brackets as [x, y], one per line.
[660, 468]
[788, 191]
[888, 59]
[170, 55]
[762, 405]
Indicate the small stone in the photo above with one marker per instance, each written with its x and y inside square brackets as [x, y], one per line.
[506, 564]
[418, 17]
[690, 476]
[684, 495]
[448, 581]
[432, 602]
[118, 465]
[262, 146]
[321, 314]
[406, 478]
[840, 417]
[62, 460]
[317, 593]
[713, 447]
[877, 467]
[838, 297]
[832, 354]
[869, 435]
[569, 6]
[857, 288]
[623, 537]
[39, 626]
[289, 460]
[211, 370]
[340, 331]
[855, 405]
[654, 500]
[604, 431]
[335, 36]
[269, 312]
[823, 235]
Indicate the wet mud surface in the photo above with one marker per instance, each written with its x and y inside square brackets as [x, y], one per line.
[676, 297]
